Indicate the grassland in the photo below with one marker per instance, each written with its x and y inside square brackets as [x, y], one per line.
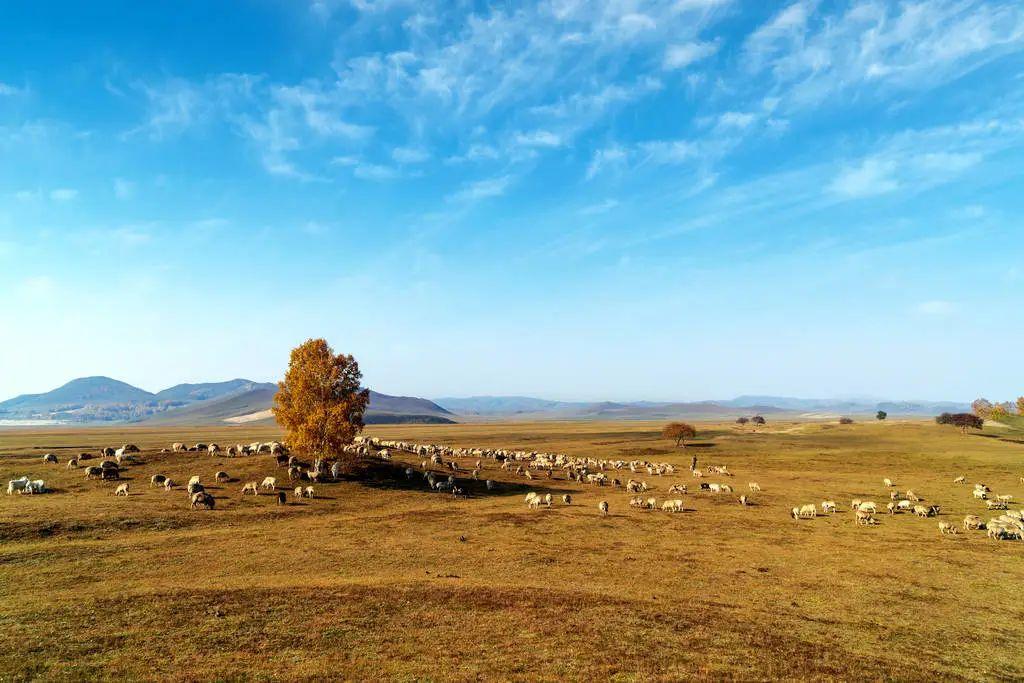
[380, 579]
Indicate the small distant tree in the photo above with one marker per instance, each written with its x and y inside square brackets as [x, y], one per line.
[964, 421]
[742, 421]
[1020, 405]
[757, 421]
[320, 403]
[846, 420]
[998, 412]
[680, 431]
[981, 407]
[881, 415]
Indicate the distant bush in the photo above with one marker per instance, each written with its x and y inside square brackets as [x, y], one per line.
[846, 420]
[742, 420]
[881, 415]
[964, 421]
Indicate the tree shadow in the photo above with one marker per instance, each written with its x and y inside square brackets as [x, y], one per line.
[391, 475]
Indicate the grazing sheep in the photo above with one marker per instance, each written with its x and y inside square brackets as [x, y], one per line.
[221, 476]
[1006, 498]
[888, 482]
[269, 483]
[194, 488]
[980, 494]
[298, 492]
[868, 506]
[855, 503]
[603, 507]
[251, 487]
[169, 485]
[202, 499]
[177, 447]
[547, 499]
[948, 528]
[157, 480]
[309, 493]
[865, 518]
[567, 499]
[93, 471]
[50, 458]
[193, 480]
[960, 480]
[973, 522]
[808, 510]
[921, 511]
[213, 448]
[121, 490]
[891, 508]
[281, 498]
[72, 463]
[996, 504]
[903, 505]
[754, 486]
[828, 506]
[913, 497]
[743, 501]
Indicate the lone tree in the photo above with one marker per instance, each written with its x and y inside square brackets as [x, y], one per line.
[846, 420]
[742, 421]
[680, 431]
[320, 403]
[1020, 405]
[757, 421]
[881, 415]
[964, 421]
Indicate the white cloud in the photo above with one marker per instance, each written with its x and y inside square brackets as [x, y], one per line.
[736, 119]
[936, 308]
[410, 155]
[871, 177]
[63, 194]
[7, 90]
[599, 208]
[906, 45]
[538, 138]
[481, 189]
[682, 56]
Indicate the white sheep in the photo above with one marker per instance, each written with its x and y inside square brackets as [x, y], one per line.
[754, 486]
[121, 490]
[269, 483]
[828, 506]
[603, 507]
[251, 487]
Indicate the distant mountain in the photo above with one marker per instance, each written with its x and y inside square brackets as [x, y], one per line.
[86, 390]
[87, 399]
[189, 393]
[502, 405]
[525, 407]
[253, 407]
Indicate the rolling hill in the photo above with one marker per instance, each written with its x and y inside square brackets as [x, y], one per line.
[104, 400]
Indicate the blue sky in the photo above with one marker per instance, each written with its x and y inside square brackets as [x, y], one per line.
[665, 200]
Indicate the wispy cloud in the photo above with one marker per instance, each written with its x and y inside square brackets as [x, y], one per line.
[682, 56]
[481, 189]
[63, 194]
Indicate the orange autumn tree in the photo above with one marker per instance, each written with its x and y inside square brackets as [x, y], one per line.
[320, 403]
[680, 431]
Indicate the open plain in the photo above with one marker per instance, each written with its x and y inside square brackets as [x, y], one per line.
[376, 577]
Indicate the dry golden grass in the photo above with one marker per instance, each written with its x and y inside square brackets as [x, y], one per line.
[371, 580]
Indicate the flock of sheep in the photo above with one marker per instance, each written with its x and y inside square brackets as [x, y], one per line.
[530, 465]
[1008, 526]
[533, 465]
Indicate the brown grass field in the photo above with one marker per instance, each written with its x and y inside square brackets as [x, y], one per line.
[371, 580]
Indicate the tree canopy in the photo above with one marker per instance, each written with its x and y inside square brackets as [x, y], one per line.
[742, 420]
[846, 420]
[320, 403]
[680, 431]
[881, 415]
